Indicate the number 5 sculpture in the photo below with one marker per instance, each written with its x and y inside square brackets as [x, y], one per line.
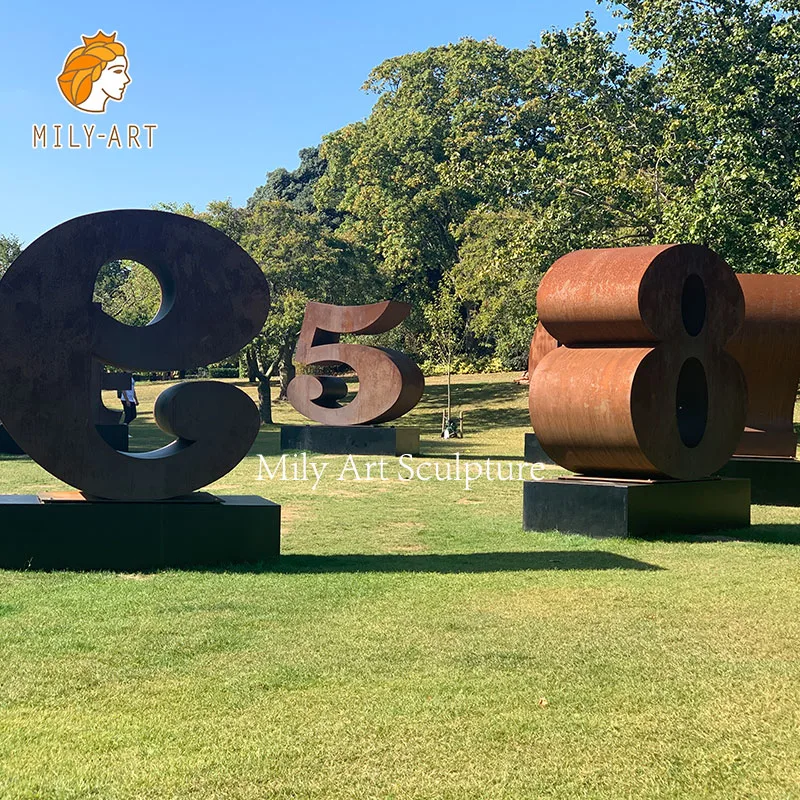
[390, 383]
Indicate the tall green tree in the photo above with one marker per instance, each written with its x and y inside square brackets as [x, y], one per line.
[297, 186]
[595, 181]
[730, 73]
[438, 143]
[487, 164]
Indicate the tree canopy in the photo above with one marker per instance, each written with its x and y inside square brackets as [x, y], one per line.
[487, 163]
[480, 165]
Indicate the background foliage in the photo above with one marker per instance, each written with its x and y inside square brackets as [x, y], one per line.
[480, 165]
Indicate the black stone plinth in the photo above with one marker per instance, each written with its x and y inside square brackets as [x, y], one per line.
[773, 481]
[606, 507]
[115, 435]
[367, 440]
[533, 451]
[68, 531]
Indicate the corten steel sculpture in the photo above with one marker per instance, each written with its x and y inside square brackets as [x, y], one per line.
[642, 384]
[768, 349]
[108, 419]
[541, 344]
[101, 414]
[390, 383]
[52, 339]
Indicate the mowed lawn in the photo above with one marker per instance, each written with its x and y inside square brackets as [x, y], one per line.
[413, 642]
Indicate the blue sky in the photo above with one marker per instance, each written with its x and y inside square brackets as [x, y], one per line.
[235, 87]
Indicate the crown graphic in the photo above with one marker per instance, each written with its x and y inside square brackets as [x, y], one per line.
[99, 38]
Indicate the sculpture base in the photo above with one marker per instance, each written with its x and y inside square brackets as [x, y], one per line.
[115, 435]
[604, 507]
[533, 451]
[774, 481]
[67, 530]
[367, 440]
[268, 442]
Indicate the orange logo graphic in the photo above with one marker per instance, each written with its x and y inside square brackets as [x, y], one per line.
[95, 73]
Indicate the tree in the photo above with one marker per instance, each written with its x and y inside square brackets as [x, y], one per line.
[297, 187]
[730, 70]
[302, 260]
[128, 291]
[435, 146]
[595, 181]
[487, 164]
[10, 248]
[446, 334]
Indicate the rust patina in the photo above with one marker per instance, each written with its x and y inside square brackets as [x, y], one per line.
[642, 384]
[53, 341]
[390, 383]
[768, 349]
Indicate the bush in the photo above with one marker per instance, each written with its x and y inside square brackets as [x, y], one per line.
[223, 372]
[462, 365]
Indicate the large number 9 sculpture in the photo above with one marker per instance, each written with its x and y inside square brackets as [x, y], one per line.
[214, 301]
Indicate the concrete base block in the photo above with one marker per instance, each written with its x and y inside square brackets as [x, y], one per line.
[606, 507]
[67, 530]
[367, 440]
[533, 451]
[774, 481]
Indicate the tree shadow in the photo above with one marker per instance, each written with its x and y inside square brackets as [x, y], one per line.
[479, 402]
[446, 449]
[451, 563]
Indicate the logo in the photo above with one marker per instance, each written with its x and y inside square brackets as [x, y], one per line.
[92, 75]
[95, 73]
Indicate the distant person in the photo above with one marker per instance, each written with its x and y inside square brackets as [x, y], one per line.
[129, 402]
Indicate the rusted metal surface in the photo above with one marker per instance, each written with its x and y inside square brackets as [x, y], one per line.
[642, 385]
[390, 383]
[101, 414]
[768, 349]
[215, 300]
[541, 344]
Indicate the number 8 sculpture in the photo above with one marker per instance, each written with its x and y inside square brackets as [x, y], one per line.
[643, 385]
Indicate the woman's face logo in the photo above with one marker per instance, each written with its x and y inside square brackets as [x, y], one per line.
[114, 78]
[95, 73]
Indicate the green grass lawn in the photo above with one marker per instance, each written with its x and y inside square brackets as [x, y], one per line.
[414, 642]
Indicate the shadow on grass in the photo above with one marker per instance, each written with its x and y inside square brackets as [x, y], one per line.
[446, 450]
[450, 563]
[474, 399]
[764, 534]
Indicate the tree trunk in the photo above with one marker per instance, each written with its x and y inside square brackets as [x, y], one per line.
[449, 365]
[264, 400]
[252, 365]
[288, 370]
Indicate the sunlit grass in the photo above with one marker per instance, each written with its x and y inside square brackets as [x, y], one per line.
[413, 642]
